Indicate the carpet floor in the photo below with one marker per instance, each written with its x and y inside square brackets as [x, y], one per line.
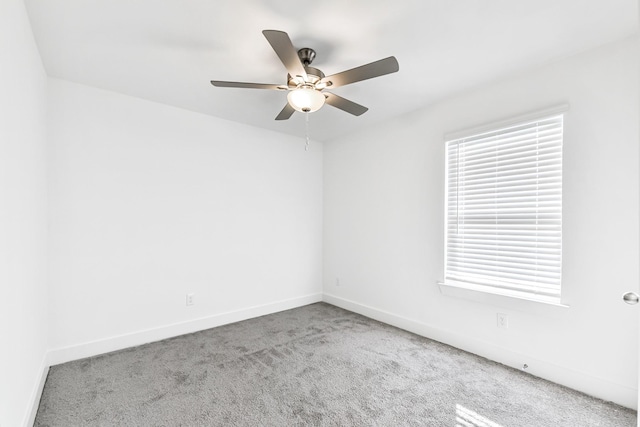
[316, 365]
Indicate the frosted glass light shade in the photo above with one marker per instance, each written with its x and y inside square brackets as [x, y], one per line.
[305, 99]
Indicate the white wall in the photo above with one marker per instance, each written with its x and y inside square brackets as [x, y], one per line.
[384, 225]
[151, 202]
[23, 293]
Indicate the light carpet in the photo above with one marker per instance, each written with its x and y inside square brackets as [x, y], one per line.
[316, 365]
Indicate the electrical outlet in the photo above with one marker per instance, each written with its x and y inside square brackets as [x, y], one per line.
[503, 321]
[337, 281]
[190, 299]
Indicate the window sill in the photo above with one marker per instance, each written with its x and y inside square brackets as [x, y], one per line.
[458, 290]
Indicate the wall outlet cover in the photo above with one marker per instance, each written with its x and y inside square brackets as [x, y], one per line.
[503, 321]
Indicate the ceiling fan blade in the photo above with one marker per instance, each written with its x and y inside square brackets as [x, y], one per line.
[281, 43]
[286, 112]
[219, 83]
[344, 104]
[375, 69]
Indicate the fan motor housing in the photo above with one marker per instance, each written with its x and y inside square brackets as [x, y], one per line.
[313, 76]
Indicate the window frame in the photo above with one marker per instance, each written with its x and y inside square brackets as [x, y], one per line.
[458, 288]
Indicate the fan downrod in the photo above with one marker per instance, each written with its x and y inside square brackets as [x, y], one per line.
[306, 55]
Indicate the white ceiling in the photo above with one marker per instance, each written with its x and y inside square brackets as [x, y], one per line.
[168, 50]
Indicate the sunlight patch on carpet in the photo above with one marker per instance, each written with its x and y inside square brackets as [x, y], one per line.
[467, 418]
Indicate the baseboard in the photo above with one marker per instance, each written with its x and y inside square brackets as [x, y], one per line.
[586, 383]
[106, 345]
[32, 411]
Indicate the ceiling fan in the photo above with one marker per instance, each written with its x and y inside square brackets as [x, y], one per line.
[306, 84]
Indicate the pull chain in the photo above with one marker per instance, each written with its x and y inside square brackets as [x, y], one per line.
[306, 131]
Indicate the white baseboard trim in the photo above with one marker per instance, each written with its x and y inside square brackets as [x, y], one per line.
[30, 416]
[586, 383]
[119, 342]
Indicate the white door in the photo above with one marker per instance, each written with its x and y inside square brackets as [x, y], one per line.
[633, 298]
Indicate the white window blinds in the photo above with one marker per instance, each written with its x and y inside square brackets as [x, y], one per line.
[504, 210]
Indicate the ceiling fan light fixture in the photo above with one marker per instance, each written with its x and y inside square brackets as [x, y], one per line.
[305, 99]
[306, 83]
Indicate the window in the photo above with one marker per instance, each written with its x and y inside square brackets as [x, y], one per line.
[504, 210]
